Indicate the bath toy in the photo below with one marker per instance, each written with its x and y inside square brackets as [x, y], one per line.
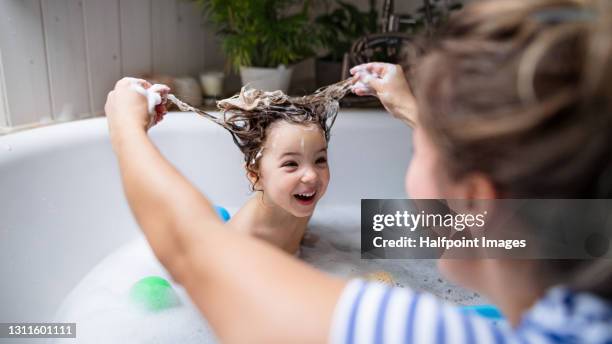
[380, 276]
[487, 311]
[223, 213]
[154, 293]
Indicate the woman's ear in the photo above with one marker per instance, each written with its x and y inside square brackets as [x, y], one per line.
[476, 186]
[476, 189]
[472, 193]
[479, 186]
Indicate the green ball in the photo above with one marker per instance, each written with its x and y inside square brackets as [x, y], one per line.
[154, 293]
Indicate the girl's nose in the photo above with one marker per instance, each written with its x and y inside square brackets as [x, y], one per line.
[309, 175]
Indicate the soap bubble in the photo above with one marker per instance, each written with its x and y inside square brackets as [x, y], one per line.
[104, 311]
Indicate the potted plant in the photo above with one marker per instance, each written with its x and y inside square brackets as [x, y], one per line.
[337, 29]
[262, 39]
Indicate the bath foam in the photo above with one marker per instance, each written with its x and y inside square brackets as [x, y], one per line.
[105, 313]
[237, 110]
[101, 306]
[156, 95]
[364, 77]
[363, 80]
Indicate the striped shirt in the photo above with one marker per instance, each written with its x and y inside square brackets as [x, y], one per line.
[369, 312]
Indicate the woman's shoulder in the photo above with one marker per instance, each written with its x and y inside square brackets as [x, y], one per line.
[387, 315]
[570, 315]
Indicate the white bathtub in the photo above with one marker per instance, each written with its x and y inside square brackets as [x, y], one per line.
[62, 208]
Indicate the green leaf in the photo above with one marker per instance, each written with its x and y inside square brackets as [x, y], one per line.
[263, 33]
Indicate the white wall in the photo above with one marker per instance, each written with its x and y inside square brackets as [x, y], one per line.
[3, 106]
[59, 58]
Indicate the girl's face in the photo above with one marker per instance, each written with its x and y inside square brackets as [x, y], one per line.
[293, 170]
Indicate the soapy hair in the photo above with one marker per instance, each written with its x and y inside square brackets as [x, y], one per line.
[248, 114]
[521, 91]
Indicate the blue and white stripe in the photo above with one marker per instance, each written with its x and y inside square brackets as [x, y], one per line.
[375, 313]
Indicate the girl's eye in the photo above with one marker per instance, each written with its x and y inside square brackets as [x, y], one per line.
[321, 161]
[289, 164]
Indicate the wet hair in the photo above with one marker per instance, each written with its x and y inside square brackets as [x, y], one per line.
[248, 114]
[521, 92]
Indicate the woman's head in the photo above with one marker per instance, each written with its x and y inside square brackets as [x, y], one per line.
[519, 91]
[515, 102]
[284, 142]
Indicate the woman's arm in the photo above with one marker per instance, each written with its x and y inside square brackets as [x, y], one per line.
[247, 290]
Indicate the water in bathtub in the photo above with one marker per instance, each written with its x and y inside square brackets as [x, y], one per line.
[105, 309]
[104, 312]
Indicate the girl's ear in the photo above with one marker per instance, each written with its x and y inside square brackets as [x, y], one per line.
[254, 179]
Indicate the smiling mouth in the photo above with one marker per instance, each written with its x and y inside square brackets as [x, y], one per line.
[305, 198]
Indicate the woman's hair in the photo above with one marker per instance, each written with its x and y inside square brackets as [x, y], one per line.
[250, 113]
[521, 91]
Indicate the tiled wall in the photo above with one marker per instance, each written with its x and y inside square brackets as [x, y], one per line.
[59, 58]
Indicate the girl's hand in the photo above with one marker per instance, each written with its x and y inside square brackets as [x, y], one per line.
[387, 82]
[135, 104]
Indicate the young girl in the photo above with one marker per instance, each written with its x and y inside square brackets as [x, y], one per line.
[284, 142]
[513, 101]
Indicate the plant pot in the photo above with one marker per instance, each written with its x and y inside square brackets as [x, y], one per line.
[267, 79]
[327, 72]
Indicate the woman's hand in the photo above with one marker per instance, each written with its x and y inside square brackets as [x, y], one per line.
[387, 82]
[132, 106]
